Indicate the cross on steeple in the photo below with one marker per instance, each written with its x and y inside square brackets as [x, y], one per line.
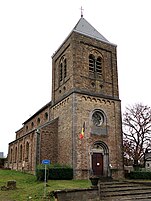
[82, 11]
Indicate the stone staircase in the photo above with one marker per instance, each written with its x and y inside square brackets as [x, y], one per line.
[124, 191]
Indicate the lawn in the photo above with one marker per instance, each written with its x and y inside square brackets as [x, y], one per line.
[30, 189]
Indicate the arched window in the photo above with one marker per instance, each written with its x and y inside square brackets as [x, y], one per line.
[98, 122]
[91, 63]
[26, 128]
[11, 155]
[27, 150]
[63, 69]
[98, 118]
[46, 116]
[32, 125]
[21, 152]
[15, 154]
[38, 121]
[95, 65]
[99, 65]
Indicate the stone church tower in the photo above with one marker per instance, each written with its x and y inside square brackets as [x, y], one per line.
[84, 97]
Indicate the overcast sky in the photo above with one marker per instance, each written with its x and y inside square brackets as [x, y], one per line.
[32, 30]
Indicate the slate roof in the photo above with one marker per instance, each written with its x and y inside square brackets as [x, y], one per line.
[85, 28]
[39, 111]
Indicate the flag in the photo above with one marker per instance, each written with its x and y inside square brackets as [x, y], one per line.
[82, 131]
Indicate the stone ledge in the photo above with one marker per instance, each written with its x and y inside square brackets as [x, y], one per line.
[91, 194]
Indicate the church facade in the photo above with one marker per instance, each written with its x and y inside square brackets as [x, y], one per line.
[85, 98]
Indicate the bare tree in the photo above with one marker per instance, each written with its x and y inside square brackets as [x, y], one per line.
[136, 131]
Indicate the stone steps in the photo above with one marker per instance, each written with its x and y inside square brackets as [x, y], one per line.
[124, 191]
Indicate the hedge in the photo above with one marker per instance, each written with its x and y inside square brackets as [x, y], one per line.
[61, 173]
[2, 161]
[54, 172]
[40, 174]
[139, 175]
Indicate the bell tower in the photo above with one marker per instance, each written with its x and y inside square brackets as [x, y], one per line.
[85, 92]
[86, 62]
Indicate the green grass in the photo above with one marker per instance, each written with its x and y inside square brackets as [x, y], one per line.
[29, 189]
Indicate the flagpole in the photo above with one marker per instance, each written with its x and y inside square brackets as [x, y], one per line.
[87, 154]
[83, 136]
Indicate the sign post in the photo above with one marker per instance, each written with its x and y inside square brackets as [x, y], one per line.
[45, 162]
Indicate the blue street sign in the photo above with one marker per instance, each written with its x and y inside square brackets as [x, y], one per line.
[45, 162]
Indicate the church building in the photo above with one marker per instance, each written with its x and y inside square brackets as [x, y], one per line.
[81, 126]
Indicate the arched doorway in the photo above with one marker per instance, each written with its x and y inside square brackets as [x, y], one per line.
[100, 159]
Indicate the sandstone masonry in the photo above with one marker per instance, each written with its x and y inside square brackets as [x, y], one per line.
[84, 94]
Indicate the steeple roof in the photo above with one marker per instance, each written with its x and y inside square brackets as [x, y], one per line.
[87, 29]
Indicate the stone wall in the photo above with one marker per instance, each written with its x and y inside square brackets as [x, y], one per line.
[75, 99]
[48, 141]
[22, 152]
[107, 84]
[53, 131]
[64, 111]
[112, 138]
[77, 194]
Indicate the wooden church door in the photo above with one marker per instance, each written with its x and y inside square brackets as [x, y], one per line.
[97, 164]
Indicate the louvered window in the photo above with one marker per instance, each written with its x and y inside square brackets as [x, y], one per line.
[63, 69]
[99, 66]
[91, 63]
[95, 65]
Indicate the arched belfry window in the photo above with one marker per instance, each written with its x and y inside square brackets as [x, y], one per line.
[91, 63]
[99, 65]
[63, 69]
[95, 65]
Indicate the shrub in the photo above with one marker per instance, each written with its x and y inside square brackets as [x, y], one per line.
[2, 161]
[40, 174]
[139, 175]
[55, 172]
[61, 173]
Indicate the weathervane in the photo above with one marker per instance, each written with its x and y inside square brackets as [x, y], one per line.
[82, 11]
